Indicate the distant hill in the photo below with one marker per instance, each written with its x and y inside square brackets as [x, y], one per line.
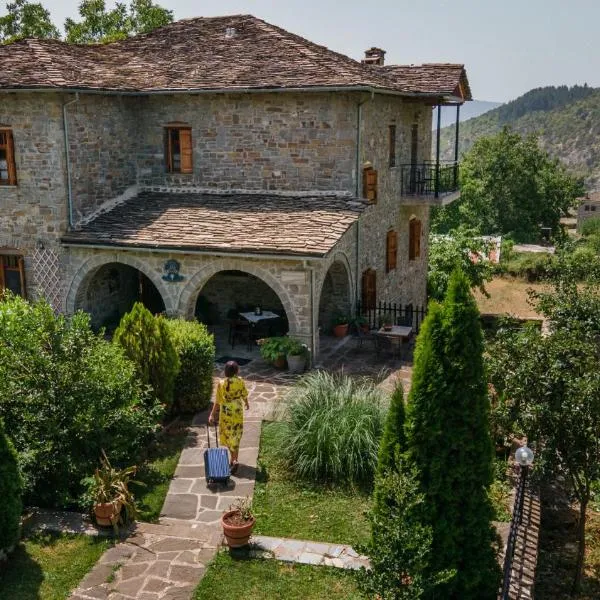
[567, 121]
[467, 111]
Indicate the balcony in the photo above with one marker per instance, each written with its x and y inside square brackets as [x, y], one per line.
[429, 183]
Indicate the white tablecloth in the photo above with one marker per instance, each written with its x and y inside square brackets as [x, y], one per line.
[254, 318]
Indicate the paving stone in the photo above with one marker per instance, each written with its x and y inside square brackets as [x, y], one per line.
[173, 544]
[132, 570]
[179, 593]
[205, 556]
[147, 596]
[130, 587]
[192, 456]
[289, 550]
[180, 506]
[97, 576]
[180, 486]
[187, 472]
[209, 501]
[210, 516]
[317, 548]
[187, 557]
[241, 489]
[153, 584]
[118, 553]
[159, 568]
[143, 555]
[310, 558]
[186, 574]
[99, 593]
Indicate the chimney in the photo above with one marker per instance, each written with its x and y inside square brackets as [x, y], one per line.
[374, 56]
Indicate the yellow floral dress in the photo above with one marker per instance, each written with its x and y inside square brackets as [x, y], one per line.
[231, 411]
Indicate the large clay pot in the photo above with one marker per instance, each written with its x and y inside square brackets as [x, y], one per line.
[296, 363]
[279, 362]
[107, 513]
[236, 535]
[340, 330]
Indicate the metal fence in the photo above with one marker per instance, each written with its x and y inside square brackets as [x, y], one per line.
[429, 179]
[408, 315]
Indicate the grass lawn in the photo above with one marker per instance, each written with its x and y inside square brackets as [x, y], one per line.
[258, 579]
[507, 296]
[290, 508]
[157, 471]
[48, 566]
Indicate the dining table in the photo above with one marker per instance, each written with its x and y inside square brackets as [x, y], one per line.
[399, 335]
[254, 318]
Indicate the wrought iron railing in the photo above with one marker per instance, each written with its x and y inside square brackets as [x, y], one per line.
[375, 315]
[429, 179]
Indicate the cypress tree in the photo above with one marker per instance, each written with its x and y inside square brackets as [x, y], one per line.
[11, 487]
[148, 344]
[449, 443]
[393, 439]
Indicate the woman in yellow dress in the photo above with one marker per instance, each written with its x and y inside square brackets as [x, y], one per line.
[231, 394]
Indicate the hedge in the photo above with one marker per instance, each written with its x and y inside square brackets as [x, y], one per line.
[11, 488]
[196, 350]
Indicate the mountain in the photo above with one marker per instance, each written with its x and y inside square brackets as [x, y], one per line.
[467, 111]
[567, 121]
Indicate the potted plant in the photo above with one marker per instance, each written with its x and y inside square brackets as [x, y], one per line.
[297, 353]
[361, 323]
[238, 523]
[340, 325]
[109, 495]
[274, 350]
[387, 321]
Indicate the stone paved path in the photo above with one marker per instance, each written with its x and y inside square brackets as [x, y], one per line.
[166, 561]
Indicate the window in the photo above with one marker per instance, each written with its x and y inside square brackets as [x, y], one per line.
[12, 274]
[391, 251]
[587, 207]
[8, 172]
[593, 207]
[178, 150]
[414, 239]
[392, 149]
[369, 289]
[370, 184]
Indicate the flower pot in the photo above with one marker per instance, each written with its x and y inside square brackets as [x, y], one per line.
[296, 363]
[365, 328]
[340, 330]
[387, 327]
[236, 535]
[107, 513]
[279, 362]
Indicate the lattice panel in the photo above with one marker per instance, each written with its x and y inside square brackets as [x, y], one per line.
[46, 272]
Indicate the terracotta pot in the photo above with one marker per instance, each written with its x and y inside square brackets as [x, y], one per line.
[279, 362]
[365, 328]
[107, 513]
[237, 535]
[340, 330]
[387, 327]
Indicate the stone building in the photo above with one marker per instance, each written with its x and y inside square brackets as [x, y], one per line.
[217, 163]
[589, 208]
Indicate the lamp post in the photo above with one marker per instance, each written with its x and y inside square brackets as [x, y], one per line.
[524, 458]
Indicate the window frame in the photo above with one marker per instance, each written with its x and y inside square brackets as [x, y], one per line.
[19, 267]
[185, 149]
[8, 145]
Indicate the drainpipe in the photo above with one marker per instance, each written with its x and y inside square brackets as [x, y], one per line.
[313, 342]
[69, 189]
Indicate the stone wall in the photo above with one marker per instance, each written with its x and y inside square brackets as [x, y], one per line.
[255, 141]
[33, 213]
[407, 282]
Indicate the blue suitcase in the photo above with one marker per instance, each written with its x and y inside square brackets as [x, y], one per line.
[216, 461]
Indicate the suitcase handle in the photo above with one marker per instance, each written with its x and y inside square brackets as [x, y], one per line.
[208, 434]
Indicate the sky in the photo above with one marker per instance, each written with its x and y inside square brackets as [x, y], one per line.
[508, 46]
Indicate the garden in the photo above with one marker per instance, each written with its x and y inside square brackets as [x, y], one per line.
[90, 425]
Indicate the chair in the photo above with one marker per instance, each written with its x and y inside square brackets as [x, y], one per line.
[239, 330]
[259, 330]
[384, 345]
[361, 336]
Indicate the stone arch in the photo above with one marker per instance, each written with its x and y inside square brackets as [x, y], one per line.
[335, 291]
[86, 272]
[189, 294]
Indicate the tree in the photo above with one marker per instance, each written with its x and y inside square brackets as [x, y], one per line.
[26, 20]
[98, 25]
[11, 488]
[448, 442]
[553, 386]
[392, 440]
[147, 342]
[461, 249]
[510, 186]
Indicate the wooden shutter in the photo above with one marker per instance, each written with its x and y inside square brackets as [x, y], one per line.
[391, 251]
[185, 147]
[392, 148]
[414, 239]
[7, 143]
[369, 289]
[21, 263]
[370, 184]
[169, 150]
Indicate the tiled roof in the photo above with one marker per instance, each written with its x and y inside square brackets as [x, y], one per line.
[251, 223]
[203, 54]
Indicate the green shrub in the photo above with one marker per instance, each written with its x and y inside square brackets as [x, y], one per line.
[146, 341]
[531, 266]
[11, 488]
[334, 424]
[590, 226]
[196, 350]
[393, 440]
[66, 395]
[400, 546]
